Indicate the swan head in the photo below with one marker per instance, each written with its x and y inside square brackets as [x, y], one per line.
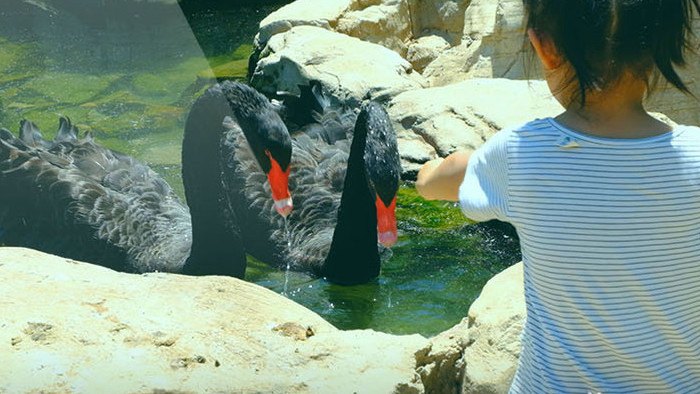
[279, 186]
[383, 168]
[272, 147]
[267, 136]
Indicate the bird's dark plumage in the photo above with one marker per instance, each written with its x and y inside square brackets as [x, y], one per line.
[72, 197]
[75, 198]
[332, 230]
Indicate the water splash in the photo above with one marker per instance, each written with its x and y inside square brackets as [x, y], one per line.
[288, 237]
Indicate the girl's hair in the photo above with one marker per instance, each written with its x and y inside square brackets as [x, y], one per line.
[602, 39]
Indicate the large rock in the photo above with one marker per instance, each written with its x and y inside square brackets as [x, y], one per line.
[387, 24]
[441, 366]
[449, 41]
[441, 17]
[320, 13]
[351, 69]
[425, 50]
[437, 121]
[69, 326]
[391, 21]
[492, 46]
[495, 324]
[480, 354]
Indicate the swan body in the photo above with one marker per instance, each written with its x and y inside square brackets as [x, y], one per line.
[75, 198]
[72, 197]
[335, 180]
[217, 217]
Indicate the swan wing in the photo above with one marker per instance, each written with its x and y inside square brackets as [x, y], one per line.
[249, 195]
[75, 198]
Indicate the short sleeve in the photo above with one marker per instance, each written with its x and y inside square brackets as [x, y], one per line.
[483, 194]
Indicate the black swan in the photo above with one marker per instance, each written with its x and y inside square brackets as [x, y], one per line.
[343, 189]
[74, 198]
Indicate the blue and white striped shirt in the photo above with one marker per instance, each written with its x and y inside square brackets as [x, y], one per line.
[610, 238]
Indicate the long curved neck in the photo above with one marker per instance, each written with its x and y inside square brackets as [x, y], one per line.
[353, 257]
[216, 242]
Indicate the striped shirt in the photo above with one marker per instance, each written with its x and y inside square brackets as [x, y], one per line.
[610, 238]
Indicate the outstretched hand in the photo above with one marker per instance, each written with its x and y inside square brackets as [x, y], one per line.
[439, 179]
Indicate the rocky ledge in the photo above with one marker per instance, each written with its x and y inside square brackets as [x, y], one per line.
[427, 51]
[68, 326]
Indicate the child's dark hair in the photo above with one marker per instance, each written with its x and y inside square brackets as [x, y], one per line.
[601, 39]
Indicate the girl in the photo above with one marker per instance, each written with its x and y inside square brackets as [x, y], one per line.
[606, 201]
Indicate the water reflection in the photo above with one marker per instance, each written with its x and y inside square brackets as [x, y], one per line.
[101, 36]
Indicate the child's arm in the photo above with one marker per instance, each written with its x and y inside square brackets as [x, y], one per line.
[439, 179]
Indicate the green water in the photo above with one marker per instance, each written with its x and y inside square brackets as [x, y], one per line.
[129, 73]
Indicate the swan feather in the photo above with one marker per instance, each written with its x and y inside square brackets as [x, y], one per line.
[76, 192]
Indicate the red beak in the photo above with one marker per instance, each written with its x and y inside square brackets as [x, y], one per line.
[386, 222]
[279, 183]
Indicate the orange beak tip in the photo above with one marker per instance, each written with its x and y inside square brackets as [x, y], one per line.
[387, 238]
[284, 206]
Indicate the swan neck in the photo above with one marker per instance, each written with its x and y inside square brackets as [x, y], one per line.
[216, 241]
[348, 261]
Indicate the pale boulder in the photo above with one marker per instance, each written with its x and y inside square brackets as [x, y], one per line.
[456, 64]
[441, 366]
[486, 38]
[496, 321]
[77, 327]
[464, 115]
[441, 17]
[350, 69]
[479, 354]
[320, 13]
[492, 46]
[424, 50]
[387, 24]
[414, 151]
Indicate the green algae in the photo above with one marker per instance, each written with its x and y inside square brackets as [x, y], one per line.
[107, 104]
[232, 65]
[14, 60]
[167, 86]
[236, 69]
[69, 89]
[426, 214]
[128, 114]
[159, 148]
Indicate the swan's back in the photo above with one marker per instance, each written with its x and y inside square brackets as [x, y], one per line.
[318, 181]
[318, 169]
[303, 239]
[74, 198]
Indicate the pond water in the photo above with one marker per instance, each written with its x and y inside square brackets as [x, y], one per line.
[128, 72]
